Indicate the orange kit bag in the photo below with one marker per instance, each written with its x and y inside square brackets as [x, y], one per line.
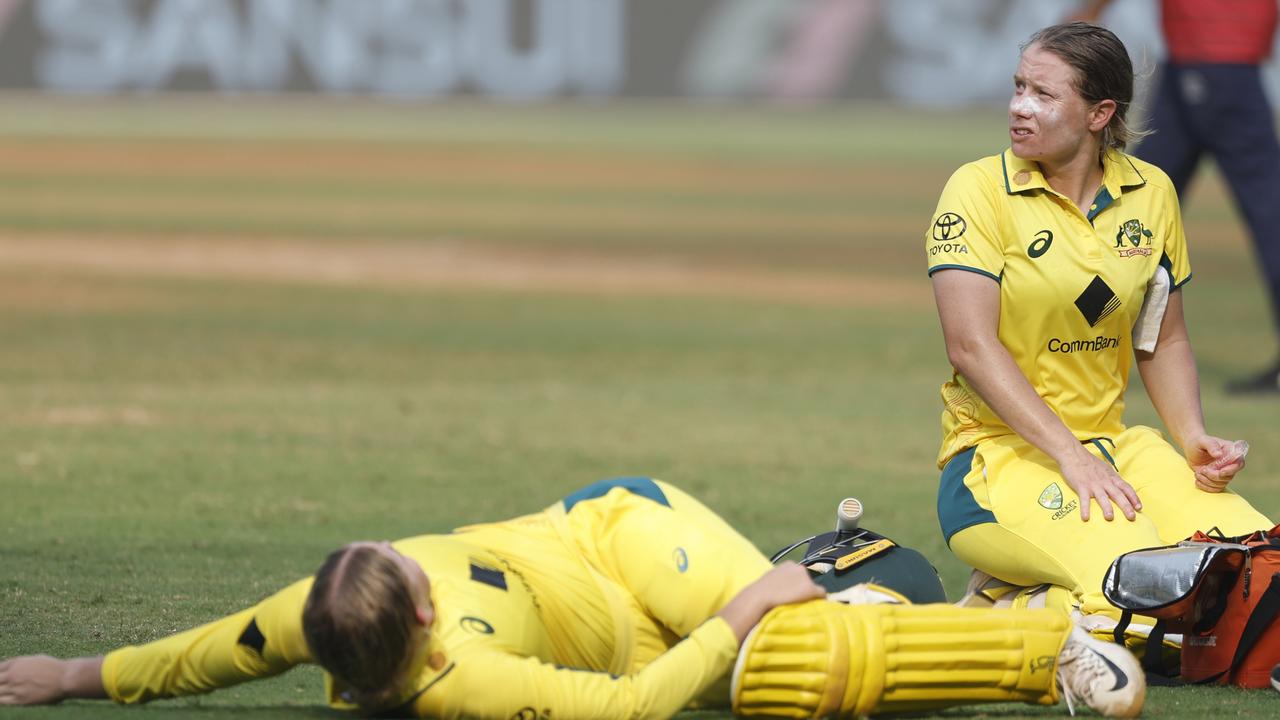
[1221, 593]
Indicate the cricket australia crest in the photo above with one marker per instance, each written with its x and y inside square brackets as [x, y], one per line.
[1138, 237]
[1051, 498]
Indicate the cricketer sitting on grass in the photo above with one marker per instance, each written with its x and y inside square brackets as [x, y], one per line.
[628, 599]
[1057, 266]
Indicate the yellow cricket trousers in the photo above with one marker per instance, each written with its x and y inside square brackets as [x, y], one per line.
[1005, 510]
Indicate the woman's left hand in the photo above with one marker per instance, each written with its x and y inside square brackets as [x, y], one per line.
[1215, 461]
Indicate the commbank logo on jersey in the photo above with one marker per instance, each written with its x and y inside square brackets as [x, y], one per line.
[1138, 238]
[1051, 498]
[1093, 344]
[948, 226]
[1097, 301]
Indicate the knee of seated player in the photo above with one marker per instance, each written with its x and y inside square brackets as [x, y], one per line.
[1003, 554]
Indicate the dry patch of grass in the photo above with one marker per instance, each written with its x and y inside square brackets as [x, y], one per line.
[85, 416]
[431, 265]
[495, 167]
[55, 293]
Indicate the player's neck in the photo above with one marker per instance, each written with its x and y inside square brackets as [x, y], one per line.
[1077, 178]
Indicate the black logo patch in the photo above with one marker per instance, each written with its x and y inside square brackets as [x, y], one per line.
[1097, 301]
[948, 226]
[1121, 679]
[1041, 244]
[488, 576]
[252, 637]
[476, 625]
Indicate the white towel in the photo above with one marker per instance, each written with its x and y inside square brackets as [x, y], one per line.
[1147, 328]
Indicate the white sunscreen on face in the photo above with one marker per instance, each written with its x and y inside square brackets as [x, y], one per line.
[1027, 105]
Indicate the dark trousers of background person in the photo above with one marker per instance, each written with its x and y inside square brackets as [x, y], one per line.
[1221, 110]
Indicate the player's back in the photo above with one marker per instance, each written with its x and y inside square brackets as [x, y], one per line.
[565, 593]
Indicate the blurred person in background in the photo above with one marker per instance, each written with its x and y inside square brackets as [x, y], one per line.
[1053, 264]
[1210, 100]
[627, 599]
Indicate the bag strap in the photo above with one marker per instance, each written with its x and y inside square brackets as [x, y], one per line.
[1126, 617]
[1153, 657]
[1259, 620]
[1153, 666]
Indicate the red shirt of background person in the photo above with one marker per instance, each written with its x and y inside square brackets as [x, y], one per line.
[1219, 31]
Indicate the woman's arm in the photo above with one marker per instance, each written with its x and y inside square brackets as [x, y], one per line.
[969, 308]
[44, 680]
[261, 641]
[499, 685]
[787, 583]
[1173, 384]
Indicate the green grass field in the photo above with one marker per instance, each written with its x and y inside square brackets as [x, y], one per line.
[236, 336]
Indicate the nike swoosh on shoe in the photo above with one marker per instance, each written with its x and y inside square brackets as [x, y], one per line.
[1121, 678]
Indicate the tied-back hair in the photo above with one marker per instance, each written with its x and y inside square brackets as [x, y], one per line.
[1103, 72]
[359, 621]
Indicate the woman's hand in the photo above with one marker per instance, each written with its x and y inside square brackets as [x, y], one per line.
[31, 680]
[787, 583]
[1215, 461]
[45, 680]
[1094, 479]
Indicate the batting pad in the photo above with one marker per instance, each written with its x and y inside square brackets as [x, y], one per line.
[825, 659]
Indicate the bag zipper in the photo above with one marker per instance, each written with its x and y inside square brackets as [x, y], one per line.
[1248, 573]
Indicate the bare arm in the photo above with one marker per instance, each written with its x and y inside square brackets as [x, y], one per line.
[1171, 377]
[44, 680]
[969, 308]
[786, 583]
[1173, 384]
[194, 661]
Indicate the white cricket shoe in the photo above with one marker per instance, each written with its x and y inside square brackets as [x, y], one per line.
[1105, 676]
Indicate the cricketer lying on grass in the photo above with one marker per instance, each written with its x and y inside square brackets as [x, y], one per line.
[625, 599]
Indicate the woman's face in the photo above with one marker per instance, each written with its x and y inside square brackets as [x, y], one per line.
[1048, 119]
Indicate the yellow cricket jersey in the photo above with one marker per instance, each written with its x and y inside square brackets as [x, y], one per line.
[526, 626]
[1071, 282]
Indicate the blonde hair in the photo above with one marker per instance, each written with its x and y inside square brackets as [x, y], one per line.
[359, 623]
[1103, 72]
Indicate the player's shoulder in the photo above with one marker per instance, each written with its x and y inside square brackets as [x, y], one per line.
[984, 173]
[1149, 175]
